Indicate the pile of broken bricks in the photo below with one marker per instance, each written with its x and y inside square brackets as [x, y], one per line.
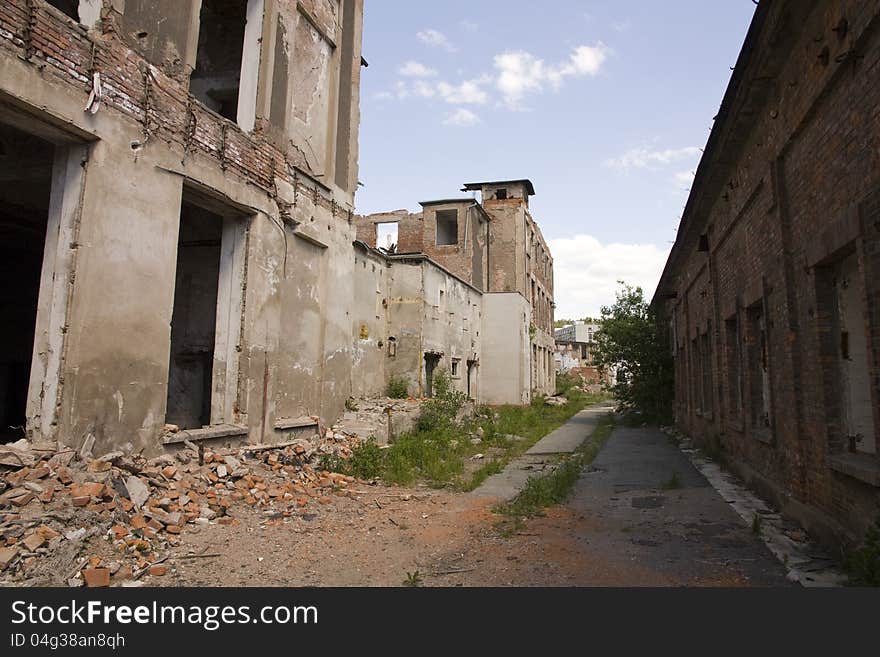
[56, 503]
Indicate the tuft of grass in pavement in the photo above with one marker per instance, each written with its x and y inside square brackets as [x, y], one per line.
[673, 483]
[757, 524]
[549, 489]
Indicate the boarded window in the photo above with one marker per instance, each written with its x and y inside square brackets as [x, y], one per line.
[447, 227]
[852, 357]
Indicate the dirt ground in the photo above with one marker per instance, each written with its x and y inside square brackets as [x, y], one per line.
[387, 533]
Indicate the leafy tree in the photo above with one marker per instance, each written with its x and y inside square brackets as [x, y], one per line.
[634, 340]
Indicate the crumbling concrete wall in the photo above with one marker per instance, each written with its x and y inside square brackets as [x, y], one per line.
[405, 323]
[505, 358]
[452, 324]
[370, 321]
[145, 145]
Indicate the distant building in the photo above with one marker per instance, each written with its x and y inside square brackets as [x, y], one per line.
[487, 286]
[575, 344]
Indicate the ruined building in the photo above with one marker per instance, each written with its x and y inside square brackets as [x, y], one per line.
[181, 250]
[469, 288]
[773, 285]
[177, 184]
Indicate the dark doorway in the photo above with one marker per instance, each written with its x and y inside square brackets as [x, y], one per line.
[471, 367]
[194, 319]
[25, 189]
[431, 363]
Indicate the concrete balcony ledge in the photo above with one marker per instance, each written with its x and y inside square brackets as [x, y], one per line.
[206, 433]
[864, 467]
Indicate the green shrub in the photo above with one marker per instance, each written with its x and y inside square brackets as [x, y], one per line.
[365, 462]
[566, 382]
[441, 410]
[398, 388]
[863, 564]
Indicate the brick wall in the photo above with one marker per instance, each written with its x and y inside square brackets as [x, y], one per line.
[138, 91]
[790, 184]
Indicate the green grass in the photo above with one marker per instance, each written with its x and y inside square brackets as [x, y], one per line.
[550, 489]
[673, 483]
[437, 450]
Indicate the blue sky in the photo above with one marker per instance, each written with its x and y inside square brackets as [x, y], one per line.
[603, 105]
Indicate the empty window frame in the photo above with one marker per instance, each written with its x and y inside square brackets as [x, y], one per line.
[67, 7]
[386, 236]
[447, 227]
[456, 367]
[227, 59]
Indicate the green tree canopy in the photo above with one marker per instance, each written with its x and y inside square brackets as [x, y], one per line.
[634, 340]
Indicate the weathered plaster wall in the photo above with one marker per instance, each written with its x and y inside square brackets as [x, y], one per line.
[451, 322]
[505, 359]
[369, 323]
[146, 143]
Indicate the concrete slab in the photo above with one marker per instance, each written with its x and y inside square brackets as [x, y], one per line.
[566, 439]
[571, 435]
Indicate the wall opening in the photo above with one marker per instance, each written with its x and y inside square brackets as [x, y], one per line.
[346, 79]
[217, 76]
[431, 363]
[26, 164]
[447, 227]
[386, 236]
[194, 319]
[67, 7]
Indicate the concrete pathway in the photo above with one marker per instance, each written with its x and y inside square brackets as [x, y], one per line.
[645, 503]
[566, 439]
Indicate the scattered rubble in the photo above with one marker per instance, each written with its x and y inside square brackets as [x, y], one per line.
[57, 504]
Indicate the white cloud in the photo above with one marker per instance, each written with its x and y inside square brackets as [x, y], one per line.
[586, 272]
[462, 118]
[469, 92]
[414, 69]
[424, 89]
[435, 39]
[521, 73]
[401, 90]
[643, 158]
[469, 26]
[684, 178]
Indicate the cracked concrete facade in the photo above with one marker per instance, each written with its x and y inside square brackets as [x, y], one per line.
[184, 250]
[204, 176]
[488, 281]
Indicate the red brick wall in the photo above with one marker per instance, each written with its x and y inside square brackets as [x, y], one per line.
[801, 167]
